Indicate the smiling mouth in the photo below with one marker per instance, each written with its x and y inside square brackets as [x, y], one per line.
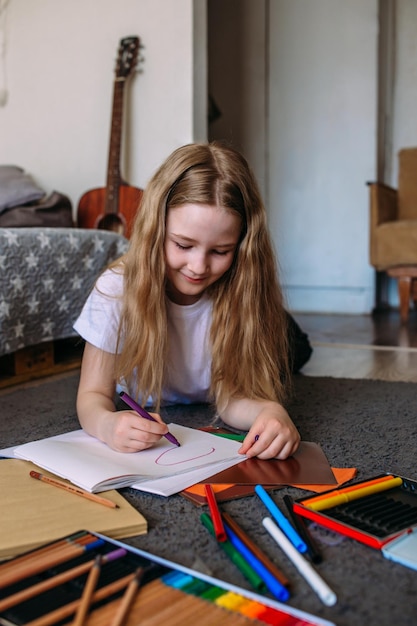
[194, 280]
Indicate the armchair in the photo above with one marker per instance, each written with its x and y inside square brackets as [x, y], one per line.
[393, 229]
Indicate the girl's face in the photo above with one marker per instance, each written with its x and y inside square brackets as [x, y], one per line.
[200, 244]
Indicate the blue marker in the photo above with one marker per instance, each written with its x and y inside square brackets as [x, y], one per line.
[281, 520]
[274, 585]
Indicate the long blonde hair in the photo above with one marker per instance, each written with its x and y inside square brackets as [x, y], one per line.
[248, 332]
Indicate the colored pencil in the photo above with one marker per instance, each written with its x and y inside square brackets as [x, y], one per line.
[50, 558]
[73, 489]
[88, 591]
[55, 581]
[128, 598]
[28, 556]
[181, 608]
[215, 513]
[178, 598]
[69, 609]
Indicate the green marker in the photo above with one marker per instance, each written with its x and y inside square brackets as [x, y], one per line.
[235, 556]
[234, 436]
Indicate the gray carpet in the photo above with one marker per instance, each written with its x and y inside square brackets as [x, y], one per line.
[370, 425]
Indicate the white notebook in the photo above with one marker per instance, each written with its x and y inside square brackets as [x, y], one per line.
[164, 469]
[403, 549]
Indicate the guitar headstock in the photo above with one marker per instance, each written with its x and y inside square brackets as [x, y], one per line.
[127, 56]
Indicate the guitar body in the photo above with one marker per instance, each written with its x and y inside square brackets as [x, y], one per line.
[114, 207]
[91, 210]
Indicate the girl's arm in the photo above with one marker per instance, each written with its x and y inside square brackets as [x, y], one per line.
[272, 433]
[124, 431]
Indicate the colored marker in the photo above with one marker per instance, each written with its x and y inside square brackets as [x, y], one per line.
[367, 483]
[274, 586]
[344, 497]
[136, 407]
[260, 555]
[281, 520]
[233, 436]
[301, 528]
[216, 517]
[235, 556]
[326, 595]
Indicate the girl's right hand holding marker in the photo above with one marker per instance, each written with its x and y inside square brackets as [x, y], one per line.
[126, 431]
[123, 431]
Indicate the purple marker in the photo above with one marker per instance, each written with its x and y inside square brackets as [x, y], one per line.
[136, 407]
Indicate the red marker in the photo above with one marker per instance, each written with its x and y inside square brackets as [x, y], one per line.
[216, 517]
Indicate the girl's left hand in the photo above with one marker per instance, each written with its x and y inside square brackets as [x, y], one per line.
[272, 434]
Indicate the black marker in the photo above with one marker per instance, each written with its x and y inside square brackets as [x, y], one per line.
[302, 530]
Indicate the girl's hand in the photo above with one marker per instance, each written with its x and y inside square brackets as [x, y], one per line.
[123, 431]
[272, 434]
[126, 431]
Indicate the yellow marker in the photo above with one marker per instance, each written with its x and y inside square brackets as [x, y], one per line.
[365, 483]
[360, 492]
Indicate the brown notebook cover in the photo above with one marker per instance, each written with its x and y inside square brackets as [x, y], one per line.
[34, 513]
[309, 465]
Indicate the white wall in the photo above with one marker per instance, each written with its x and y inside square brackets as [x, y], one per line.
[296, 82]
[404, 123]
[323, 104]
[60, 60]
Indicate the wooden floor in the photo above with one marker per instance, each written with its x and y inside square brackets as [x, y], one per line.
[374, 346]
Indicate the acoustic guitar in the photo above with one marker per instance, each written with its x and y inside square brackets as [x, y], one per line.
[114, 207]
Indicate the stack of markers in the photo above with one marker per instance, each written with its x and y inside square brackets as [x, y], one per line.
[253, 563]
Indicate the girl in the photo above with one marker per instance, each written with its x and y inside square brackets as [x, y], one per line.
[192, 312]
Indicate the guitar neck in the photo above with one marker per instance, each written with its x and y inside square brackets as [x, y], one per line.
[113, 167]
[114, 207]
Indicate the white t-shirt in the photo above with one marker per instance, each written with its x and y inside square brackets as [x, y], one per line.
[189, 359]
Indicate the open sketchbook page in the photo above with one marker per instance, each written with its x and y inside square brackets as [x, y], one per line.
[92, 465]
[173, 484]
